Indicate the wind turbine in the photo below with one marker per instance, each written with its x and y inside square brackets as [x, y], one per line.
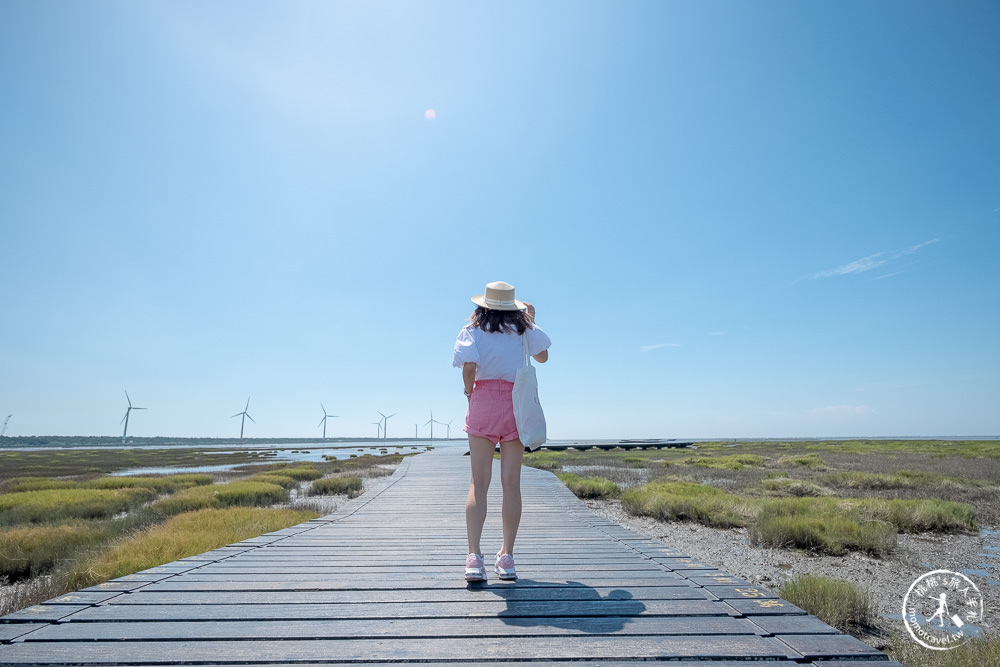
[245, 417]
[3, 429]
[378, 433]
[448, 426]
[433, 421]
[385, 429]
[124, 419]
[323, 421]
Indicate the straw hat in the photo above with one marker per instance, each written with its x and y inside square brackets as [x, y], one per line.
[499, 296]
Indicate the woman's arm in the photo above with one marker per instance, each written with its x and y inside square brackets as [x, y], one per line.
[469, 377]
[529, 311]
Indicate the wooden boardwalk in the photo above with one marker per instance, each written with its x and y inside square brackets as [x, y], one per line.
[380, 582]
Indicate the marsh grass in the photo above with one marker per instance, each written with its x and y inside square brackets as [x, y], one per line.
[77, 462]
[824, 525]
[241, 492]
[686, 501]
[727, 462]
[37, 550]
[22, 484]
[590, 487]
[163, 484]
[787, 486]
[184, 535]
[810, 461]
[826, 534]
[843, 605]
[51, 505]
[976, 652]
[274, 478]
[336, 486]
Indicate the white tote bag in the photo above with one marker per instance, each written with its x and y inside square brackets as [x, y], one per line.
[528, 413]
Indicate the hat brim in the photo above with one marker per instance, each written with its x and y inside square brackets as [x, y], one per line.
[480, 300]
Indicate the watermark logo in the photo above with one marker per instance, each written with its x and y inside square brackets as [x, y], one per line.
[941, 609]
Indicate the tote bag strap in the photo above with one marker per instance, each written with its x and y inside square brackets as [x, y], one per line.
[524, 346]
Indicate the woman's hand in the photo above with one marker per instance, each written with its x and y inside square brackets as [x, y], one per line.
[529, 311]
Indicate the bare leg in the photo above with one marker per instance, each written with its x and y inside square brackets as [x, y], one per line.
[481, 456]
[511, 453]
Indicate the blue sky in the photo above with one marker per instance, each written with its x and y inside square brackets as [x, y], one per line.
[735, 219]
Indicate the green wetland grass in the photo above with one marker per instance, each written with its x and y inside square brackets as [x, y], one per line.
[845, 606]
[333, 486]
[827, 497]
[75, 528]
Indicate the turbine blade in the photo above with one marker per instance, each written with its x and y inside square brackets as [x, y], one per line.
[236, 415]
[250, 418]
[128, 399]
[321, 421]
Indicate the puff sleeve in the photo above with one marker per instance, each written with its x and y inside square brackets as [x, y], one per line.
[465, 349]
[538, 341]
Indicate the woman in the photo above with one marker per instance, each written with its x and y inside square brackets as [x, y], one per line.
[489, 351]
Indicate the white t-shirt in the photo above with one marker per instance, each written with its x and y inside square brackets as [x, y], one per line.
[497, 355]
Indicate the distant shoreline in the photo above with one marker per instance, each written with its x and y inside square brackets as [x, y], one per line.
[58, 441]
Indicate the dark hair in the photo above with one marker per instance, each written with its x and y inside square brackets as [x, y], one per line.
[491, 321]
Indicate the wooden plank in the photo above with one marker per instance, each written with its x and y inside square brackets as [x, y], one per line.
[792, 625]
[392, 610]
[828, 647]
[11, 631]
[500, 626]
[448, 649]
[519, 593]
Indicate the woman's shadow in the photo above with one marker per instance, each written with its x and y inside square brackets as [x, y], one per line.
[570, 605]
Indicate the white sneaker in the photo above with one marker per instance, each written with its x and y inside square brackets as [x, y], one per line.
[475, 568]
[505, 567]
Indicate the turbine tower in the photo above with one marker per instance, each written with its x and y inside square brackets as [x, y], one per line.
[323, 421]
[385, 419]
[124, 419]
[245, 415]
[433, 421]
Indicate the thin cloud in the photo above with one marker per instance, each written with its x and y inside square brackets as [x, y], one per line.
[717, 333]
[648, 348]
[871, 261]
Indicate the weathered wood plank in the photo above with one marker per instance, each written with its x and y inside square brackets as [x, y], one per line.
[564, 593]
[392, 610]
[403, 628]
[393, 649]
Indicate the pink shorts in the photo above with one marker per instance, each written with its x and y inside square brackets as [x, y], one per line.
[491, 411]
